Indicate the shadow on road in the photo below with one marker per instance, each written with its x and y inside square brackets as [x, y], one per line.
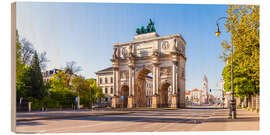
[28, 123]
[139, 119]
[164, 120]
[242, 119]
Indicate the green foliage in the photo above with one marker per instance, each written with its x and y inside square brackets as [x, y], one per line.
[29, 81]
[96, 91]
[87, 89]
[38, 89]
[23, 83]
[59, 81]
[19, 65]
[62, 99]
[243, 24]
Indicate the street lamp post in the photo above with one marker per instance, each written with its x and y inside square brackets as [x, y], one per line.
[232, 104]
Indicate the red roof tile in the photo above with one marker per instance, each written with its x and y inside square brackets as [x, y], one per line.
[195, 89]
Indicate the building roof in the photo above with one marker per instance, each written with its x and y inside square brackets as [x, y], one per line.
[106, 70]
[195, 90]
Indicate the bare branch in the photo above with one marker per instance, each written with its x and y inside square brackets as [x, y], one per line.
[27, 51]
[71, 67]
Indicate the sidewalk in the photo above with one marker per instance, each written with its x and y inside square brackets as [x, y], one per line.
[219, 121]
[29, 116]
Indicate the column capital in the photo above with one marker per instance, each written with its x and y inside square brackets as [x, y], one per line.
[130, 65]
[156, 64]
[115, 68]
[174, 62]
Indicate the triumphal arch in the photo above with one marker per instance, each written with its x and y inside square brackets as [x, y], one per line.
[163, 57]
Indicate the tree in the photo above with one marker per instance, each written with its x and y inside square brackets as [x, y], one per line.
[96, 91]
[59, 81]
[43, 60]
[71, 69]
[19, 65]
[80, 86]
[24, 84]
[243, 24]
[27, 51]
[38, 89]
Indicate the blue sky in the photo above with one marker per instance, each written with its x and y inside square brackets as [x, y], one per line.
[86, 32]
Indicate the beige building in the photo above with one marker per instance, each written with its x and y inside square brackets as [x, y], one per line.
[104, 79]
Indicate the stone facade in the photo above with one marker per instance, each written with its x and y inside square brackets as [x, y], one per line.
[164, 57]
[104, 79]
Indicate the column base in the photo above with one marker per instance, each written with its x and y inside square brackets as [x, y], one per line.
[115, 102]
[182, 105]
[155, 101]
[130, 102]
[174, 101]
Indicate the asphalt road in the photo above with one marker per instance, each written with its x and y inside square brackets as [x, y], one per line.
[194, 119]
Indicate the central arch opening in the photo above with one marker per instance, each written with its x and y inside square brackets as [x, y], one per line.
[124, 92]
[165, 94]
[143, 88]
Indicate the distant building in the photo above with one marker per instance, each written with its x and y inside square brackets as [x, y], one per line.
[47, 75]
[104, 79]
[222, 92]
[196, 96]
[188, 97]
[204, 96]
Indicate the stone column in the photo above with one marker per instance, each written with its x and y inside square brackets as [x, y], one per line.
[130, 83]
[130, 80]
[116, 80]
[157, 79]
[174, 94]
[154, 79]
[182, 84]
[174, 77]
[155, 96]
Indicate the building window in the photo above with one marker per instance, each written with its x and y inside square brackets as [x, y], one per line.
[111, 90]
[111, 80]
[106, 90]
[100, 81]
[106, 99]
[106, 80]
